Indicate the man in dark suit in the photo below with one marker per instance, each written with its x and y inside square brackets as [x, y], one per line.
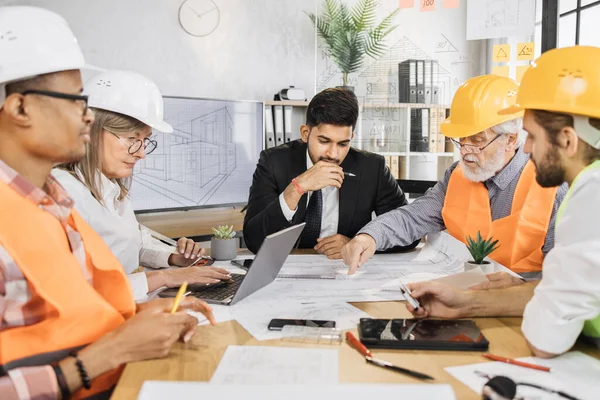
[320, 180]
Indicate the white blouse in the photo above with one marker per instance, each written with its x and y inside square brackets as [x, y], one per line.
[115, 222]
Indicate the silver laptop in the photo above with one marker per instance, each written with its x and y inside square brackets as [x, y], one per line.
[266, 265]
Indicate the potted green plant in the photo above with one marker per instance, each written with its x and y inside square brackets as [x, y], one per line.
[223, 245]
[352, 33]
[480, 249]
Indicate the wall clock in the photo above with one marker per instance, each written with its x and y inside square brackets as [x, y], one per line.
[199, 17]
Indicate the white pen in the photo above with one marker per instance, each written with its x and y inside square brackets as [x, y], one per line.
[407, 295]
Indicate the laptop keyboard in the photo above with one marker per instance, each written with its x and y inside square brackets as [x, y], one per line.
[219, 291]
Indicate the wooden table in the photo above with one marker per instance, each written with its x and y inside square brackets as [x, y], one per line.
[198, 359]
[194, 224]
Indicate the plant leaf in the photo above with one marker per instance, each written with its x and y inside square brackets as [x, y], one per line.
[363, 14]
[350, 34]
[387, 22]
[375, 47]
[323, 26]
[332, 9]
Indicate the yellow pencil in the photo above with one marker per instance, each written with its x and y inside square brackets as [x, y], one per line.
[180, 295]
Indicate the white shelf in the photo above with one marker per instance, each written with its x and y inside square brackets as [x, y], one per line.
[402, 105]
[417, 153]
[413, 153]
[286, 103]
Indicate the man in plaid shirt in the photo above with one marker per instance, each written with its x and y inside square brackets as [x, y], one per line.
[68, 321]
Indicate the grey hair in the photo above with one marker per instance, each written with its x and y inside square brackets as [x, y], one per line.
[511, 127]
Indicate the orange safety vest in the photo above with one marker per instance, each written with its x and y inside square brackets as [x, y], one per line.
[75, 312]
[521, 234]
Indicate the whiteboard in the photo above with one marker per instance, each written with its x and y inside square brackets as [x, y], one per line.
[208, 160]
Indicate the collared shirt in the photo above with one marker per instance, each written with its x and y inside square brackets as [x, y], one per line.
[331, 206]
[16, 308]
[115, 222]
[569, 292]
[404, 225]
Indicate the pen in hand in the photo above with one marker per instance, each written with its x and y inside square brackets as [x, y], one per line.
[180, 295]
[198, 260]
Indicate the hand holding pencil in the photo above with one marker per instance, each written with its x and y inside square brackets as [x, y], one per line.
[185, 303]
[180, 294]
[152, 331]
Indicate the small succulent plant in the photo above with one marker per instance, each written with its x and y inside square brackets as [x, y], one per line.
[480, 248]
[223, 232]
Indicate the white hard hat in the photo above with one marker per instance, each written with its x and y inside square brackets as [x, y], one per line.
[34, 41]
[128, 93]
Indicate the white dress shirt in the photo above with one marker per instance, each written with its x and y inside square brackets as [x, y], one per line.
[569, 292]
[115, 222]
[330, 214]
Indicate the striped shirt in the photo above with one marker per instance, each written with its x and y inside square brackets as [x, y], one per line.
[16, 307]
[404, 225]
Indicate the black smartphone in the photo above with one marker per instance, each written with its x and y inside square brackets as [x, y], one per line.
[277, 324]
[244, 264]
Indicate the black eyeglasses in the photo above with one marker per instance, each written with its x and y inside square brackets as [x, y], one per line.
[471, 148]
[136, 145]
[83, 99]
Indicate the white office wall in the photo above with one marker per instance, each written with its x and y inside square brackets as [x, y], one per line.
[259, 46]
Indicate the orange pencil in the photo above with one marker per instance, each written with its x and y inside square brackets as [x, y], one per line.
[515, 362]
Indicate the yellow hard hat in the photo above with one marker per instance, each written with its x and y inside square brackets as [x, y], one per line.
[565, 80]
[476, 104]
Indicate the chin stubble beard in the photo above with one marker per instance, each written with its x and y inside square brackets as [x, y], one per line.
[549, 173]
[482, 174]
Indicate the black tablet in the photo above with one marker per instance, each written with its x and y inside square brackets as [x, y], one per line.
[421, 334]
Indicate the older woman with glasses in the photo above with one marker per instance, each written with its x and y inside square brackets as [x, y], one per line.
[127, 108]
[491, 190]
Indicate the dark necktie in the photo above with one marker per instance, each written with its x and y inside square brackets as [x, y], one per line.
[312, 230]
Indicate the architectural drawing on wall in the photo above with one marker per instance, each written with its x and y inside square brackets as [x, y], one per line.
[379, 79]
[444, 45]
[385, 69]
[376, 86]
[207, 160]
[489, 19]
[502, 13]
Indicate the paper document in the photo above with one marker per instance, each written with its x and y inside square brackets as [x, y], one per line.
[573, 373]
[160, 390]
[276, 365]
[255, 316]
[377, 280]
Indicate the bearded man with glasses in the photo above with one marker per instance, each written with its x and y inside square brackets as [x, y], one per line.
[492, 190]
